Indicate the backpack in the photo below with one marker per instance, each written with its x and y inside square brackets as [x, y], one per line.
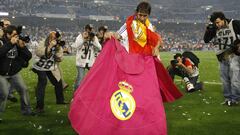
[192, 57]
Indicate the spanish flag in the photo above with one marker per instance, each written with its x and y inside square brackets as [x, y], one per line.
[141, 39]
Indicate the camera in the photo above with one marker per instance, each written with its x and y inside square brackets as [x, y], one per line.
[212, 26]
[91, 35]
[174, 62]
[22, 37]
[61, 43]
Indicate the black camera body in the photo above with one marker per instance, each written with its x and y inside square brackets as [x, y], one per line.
[91, 35]
[212, 26]
[22, 37]
[174, 62]
[61, 43]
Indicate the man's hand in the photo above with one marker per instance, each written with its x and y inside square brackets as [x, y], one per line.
[21, 43]
[156, 50]
[52, 43]
[179, 64]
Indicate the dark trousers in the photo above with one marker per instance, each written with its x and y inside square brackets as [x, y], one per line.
[176, 71]
[41, 86]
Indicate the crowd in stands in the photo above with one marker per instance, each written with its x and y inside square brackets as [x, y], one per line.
[162, 10]
[176, 37]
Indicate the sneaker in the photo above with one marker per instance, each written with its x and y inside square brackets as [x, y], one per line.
[230, 103]
[233, 103]
[12, 99]
[225, 102]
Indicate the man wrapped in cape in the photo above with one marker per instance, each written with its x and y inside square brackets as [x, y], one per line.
[124, 91]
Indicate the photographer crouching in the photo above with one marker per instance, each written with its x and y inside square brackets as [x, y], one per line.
[14, 55]
[87, 45]
[187, 70]
[225, 33]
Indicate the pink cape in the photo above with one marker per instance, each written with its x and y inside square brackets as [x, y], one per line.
[90, 111]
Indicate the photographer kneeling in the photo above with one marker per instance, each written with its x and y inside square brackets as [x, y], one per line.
[185, 68]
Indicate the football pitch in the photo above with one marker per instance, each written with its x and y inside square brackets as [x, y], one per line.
[198, 113]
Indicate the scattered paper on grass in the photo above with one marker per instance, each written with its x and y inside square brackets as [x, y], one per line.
[207, 102]
[39, 127]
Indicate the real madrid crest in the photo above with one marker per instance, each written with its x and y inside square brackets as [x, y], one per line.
[122, 103]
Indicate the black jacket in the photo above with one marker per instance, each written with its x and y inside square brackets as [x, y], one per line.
[211, 33]
[12, 57]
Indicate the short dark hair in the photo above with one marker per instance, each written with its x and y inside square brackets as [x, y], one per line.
[177, 55]
[216, 15]
[144, 7]
[9, 29]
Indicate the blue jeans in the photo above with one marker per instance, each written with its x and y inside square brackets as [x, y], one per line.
[11, 91]
[18, 83]
[230, 76]
[81, 71]
[3, 93]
